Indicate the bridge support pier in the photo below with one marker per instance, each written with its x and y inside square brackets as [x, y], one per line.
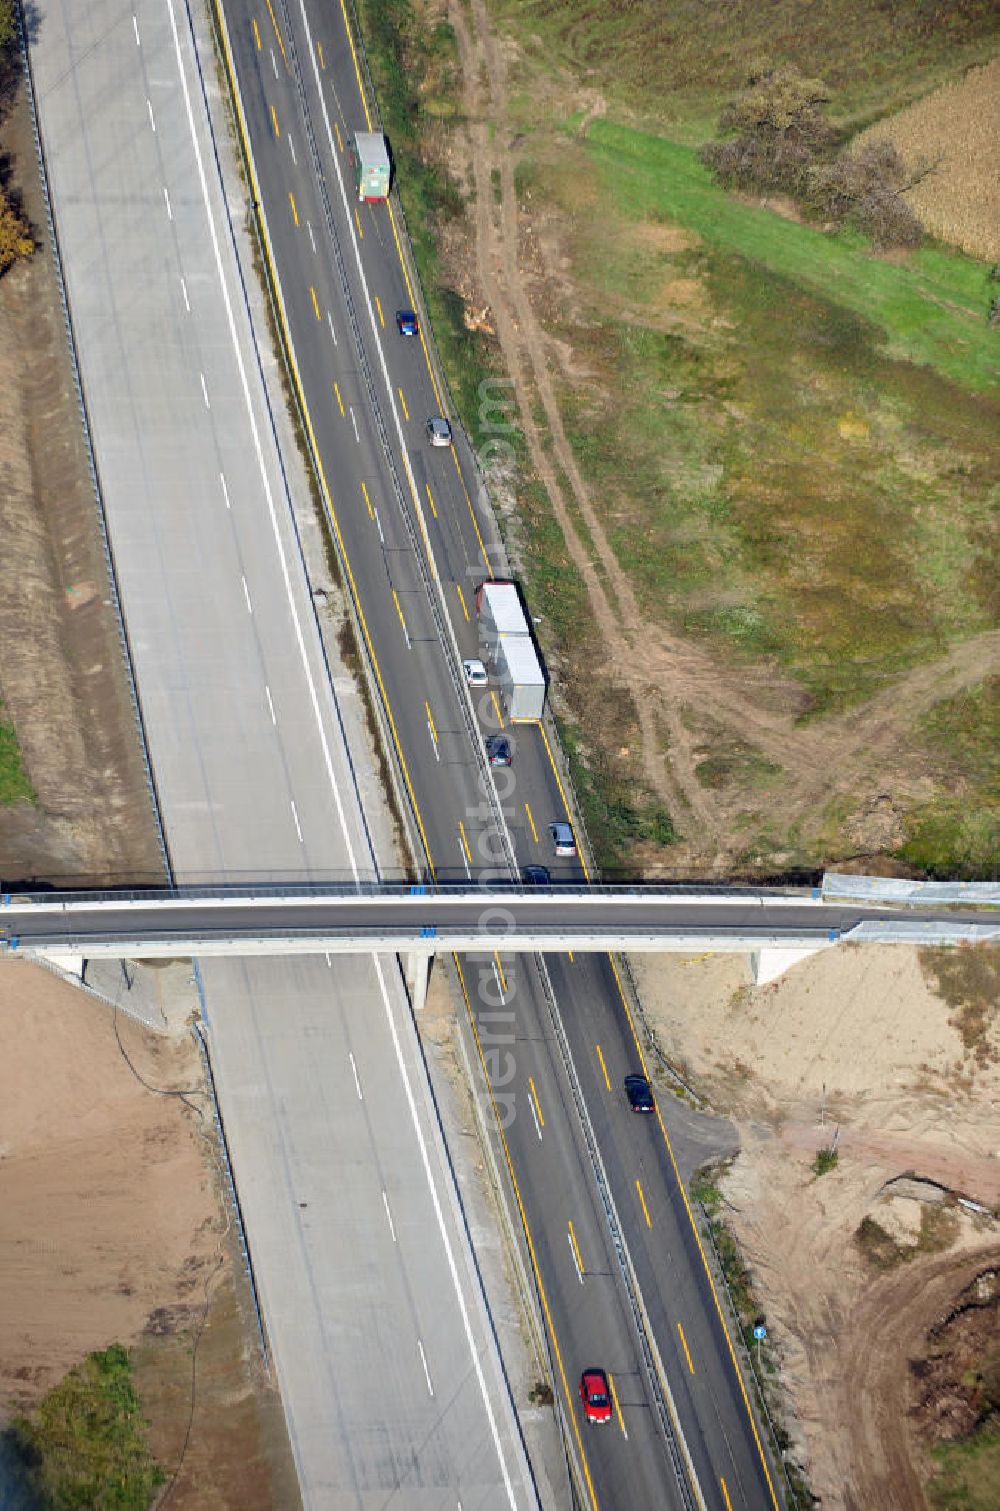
[769, 963]
[418, 974]
[67, 965]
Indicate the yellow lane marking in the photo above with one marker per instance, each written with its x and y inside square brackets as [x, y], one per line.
[461, 599]
[618, 1409]
[503, 978]
[364, 490]
[604, 1068]
[465, 841]
[319, 54]
[645, 1209]
[534, 1098]
[562, 794]
[277, 33]
[340, 139]
[570, 1400]
[496, 708]
[343, 416]
[571, 1407]
[576, 1247]
[381, 317]
[402, 400]
[430, 500]
[314, 444]
[354, 60]
[430, 722]
[357, 222]
[291, 201]
[256, 33]
[315, 301]
[694, 1229]
[531, 821]
[725, 1492]
[406, 280]
[684, 1343]
[571, 957]
[274, 121]
[399, 611]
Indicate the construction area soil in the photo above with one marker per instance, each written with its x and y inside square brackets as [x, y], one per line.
[680, 703]
[116, 1230]
[63, 680]
[868, 1051]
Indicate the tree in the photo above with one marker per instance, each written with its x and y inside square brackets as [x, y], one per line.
[15, 238]
[773, 134]
[865, 188]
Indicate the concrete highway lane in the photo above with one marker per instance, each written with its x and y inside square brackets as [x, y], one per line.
[390, 1376]
[402, 509]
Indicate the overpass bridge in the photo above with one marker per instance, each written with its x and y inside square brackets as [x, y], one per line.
[416, 921]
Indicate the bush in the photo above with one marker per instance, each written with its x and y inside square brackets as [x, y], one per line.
[864, 189]
[773, 134]
[775, 139]
[84, 1449]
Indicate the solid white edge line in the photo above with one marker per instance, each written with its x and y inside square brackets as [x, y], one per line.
[427, 1373]
[392, 1225]
[442, 1229]
[258, 447]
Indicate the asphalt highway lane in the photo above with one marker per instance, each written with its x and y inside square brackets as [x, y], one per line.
[369, 393]
[390, 1377]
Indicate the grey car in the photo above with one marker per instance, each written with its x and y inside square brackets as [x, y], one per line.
[563, 838]
[438, 431]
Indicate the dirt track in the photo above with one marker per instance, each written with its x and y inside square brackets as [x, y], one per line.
[858, 754]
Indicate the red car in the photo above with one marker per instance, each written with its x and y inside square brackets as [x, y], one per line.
[595, 1395]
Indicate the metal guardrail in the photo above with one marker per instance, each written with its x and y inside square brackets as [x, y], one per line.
[429, 579]
[660, 1391]
[257, 220]
[897, 891]
[737, 1331]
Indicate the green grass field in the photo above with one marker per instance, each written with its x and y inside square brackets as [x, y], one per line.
[14, 783]
[789, 440]
[931, 309]
[84, 1448]
[677, 63]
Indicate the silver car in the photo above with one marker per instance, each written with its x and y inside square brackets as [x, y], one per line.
[438, 431]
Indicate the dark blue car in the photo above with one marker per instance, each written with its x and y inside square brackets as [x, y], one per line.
[406, 322]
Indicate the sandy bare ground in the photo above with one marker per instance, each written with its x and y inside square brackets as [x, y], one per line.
[106, 1189]
[674, 683]
[114, 1231]
[957, 129]
[854, 1043]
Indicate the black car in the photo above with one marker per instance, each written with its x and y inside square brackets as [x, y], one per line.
[535, 876]
[498, 750]
[640, 1094]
